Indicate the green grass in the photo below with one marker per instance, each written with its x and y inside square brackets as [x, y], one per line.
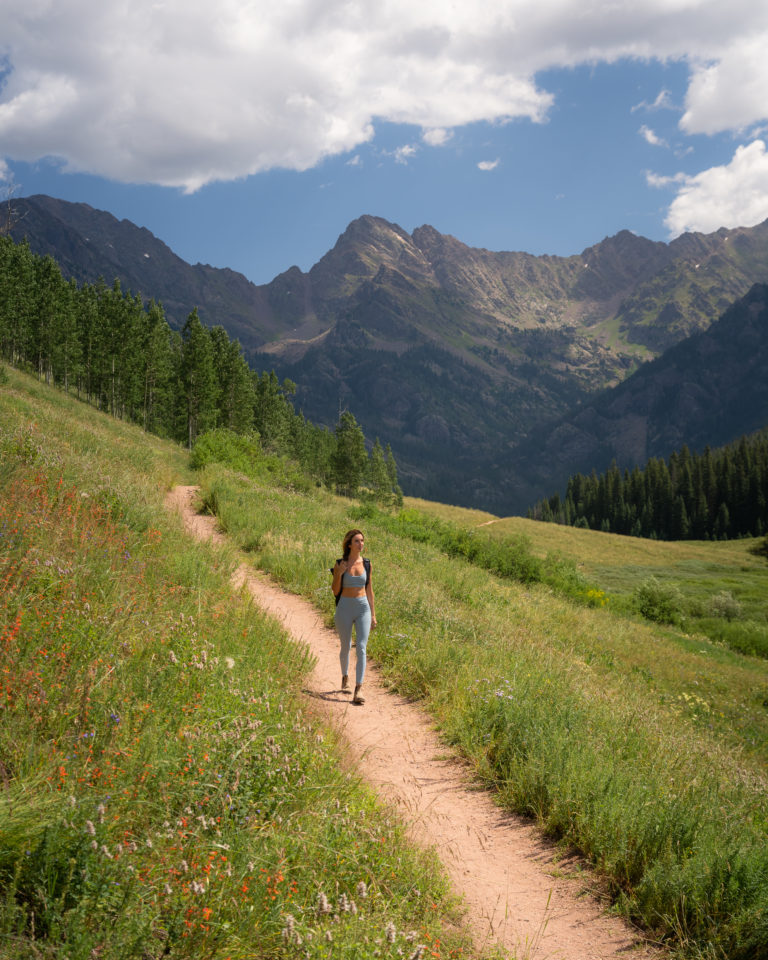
[701, 570]
[163, 789]
[640, 744]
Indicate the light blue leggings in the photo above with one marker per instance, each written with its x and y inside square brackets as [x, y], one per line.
[353, 610]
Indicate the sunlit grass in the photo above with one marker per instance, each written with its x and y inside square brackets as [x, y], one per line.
[618, 565]
[644, 746]
[163, 790]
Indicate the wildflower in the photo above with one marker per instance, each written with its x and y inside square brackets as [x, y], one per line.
[343, 903]
[114, 718]
[172, 657]
[322, 904]
[361, 890]
[288, 932]
[106, 852]
[184, 866]
[329, 936]
[390, 931]
[229, 662]
[91, 830]
[101, 810]
[418, 953]
[167, 889]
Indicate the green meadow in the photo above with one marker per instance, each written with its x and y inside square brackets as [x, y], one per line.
[643, 746]
[162, 777]
[164, 789]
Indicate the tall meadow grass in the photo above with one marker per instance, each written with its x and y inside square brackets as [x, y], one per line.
[615, 735]
[163, 789]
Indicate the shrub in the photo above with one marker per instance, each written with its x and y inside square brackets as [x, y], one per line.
[725, 606]
[660, 602]
[760, 549]
[244, 454]
[743, 636]
[234, 450]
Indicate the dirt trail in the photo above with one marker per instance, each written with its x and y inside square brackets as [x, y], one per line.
[517, 894]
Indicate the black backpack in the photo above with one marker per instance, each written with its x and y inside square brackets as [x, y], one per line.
[366, 564]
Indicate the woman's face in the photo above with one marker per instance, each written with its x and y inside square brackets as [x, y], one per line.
[358, 541]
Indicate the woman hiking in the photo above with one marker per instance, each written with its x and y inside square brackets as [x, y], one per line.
[355, 606]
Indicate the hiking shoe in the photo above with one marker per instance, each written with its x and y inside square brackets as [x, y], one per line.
[358, 697]
[345, 684]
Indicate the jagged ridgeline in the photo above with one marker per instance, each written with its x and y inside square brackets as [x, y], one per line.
[495, 375]
[119, 354]
[715, 495]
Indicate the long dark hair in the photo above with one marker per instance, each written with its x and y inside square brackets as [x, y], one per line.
[348, 541]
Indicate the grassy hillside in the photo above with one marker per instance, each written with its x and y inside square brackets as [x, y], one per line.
[643, 746]
[162, 782]
[163, 789]
[702, 573]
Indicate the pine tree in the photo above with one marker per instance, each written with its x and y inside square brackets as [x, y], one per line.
[198, 378]
[349, 460]
[378, 476]
[397, 493]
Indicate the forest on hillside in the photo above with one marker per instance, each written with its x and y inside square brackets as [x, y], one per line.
[110, 349]
[716, 495]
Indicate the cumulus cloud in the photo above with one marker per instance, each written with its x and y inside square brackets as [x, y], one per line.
[650, 137]
[731, 93]
[488, 164]
[732, 195]
[185, 92]
[403, 154]
[437, 137]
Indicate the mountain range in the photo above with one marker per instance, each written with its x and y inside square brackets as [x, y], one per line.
[493, 375]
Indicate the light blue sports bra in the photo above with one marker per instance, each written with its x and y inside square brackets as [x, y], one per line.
[353, 580]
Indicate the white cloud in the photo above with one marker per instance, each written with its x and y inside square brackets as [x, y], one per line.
[657, 180]
[436, 137]
[732, 92]
[185, 92]
[650, 137]
[488, 164]
[733, 195]
[662, 102]
[355, 161]
[5, 172]
[404, 154]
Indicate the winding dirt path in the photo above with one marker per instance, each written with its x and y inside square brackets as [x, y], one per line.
[519, 894]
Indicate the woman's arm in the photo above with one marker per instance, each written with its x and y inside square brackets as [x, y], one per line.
[338, 571]
[371, 599]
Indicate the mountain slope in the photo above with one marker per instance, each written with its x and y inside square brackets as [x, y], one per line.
[707, 390]
[455, 355]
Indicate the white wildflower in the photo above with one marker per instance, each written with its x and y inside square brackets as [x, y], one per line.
[322, 904]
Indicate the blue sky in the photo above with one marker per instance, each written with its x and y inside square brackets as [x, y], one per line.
[248, 137]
